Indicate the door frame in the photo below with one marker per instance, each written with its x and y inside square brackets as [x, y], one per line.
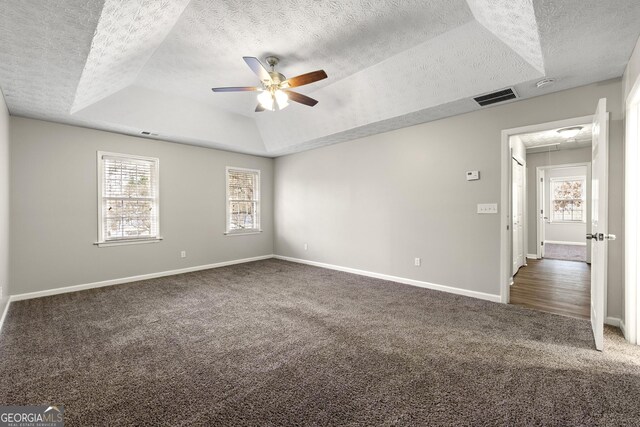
[631, 325]
[540, 195]
[523, 239]
[505, 189]
[540, 202]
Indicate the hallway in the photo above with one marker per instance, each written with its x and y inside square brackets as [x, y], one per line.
[554, 286]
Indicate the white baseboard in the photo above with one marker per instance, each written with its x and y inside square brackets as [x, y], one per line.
[4, 313]
[119, 281]
[532, 256]
[560, 242]
[613, 321]
[623, 329]
[418, 283]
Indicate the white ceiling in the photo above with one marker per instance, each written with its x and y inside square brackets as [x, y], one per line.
[551, 140]
[148, 65]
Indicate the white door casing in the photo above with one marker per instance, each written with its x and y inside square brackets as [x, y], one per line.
[542, 214]
[518, 216]
[599, 220]
[632, 215]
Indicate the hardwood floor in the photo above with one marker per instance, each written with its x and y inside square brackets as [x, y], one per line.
[554, 286]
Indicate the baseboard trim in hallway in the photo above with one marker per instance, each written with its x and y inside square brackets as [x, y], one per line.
[412, 282]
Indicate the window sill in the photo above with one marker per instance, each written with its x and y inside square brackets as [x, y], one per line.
[127, 242]
[242, 233]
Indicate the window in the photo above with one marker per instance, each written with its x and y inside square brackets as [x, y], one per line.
[568, 203]
[128, 199]
[243, 200]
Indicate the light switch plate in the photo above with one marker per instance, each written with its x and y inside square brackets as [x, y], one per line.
[487, 208]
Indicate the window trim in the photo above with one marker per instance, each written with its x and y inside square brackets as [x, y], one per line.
[257, 191]
[582, 178]
[100, 178]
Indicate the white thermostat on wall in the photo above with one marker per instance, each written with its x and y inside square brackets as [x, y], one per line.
[473, 175]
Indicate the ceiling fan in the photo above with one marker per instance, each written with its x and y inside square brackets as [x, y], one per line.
[275, 91]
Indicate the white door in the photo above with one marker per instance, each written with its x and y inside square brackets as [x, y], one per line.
[518, 215]
[599, 221]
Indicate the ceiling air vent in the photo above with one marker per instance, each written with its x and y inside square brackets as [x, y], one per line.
[495, 97]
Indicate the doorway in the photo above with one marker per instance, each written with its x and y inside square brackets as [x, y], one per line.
[567, 287]
[563, 209]
[556, 276]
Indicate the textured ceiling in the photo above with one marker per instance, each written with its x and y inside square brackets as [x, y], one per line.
[43, 51]
[481, 61]
[143, 65]
[514, 23]
[128, 33]
[534, 141]
[205, 48]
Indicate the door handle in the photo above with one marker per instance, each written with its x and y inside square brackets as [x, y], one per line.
[599, 237]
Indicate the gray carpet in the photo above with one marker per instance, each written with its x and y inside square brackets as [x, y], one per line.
[565, 252]
[275, 343]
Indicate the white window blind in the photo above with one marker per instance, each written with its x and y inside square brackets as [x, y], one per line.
[129, 198]
[568, 203]
[243, 200]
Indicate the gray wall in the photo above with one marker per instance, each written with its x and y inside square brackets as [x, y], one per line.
[4, 204]
[376, 203]
[54, 207]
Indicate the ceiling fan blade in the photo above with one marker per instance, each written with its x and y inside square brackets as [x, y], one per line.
[257, 67]
[235, 89]
[302, 99]
[305, 79]
[259, 108]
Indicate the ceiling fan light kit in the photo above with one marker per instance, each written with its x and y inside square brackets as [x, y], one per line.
[275, 92]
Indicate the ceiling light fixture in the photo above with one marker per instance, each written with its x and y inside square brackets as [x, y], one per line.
[544, 83]
[569, 133]
[269, 99]
[281, 99]
[266, 100]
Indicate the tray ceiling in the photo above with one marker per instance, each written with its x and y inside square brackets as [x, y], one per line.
[148, 65]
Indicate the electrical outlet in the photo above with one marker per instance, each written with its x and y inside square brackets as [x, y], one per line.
[417, 262]
[183, 254]
[305, 247]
